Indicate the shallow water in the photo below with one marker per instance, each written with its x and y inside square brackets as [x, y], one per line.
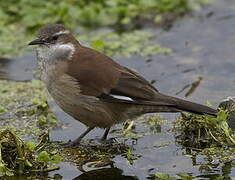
[201, 68]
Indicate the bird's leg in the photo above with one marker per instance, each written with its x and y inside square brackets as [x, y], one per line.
[104, 137]
[78, 140]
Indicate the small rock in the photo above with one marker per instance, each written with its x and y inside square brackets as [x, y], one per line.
[229, 104]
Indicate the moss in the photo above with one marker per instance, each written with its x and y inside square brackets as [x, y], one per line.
[199, 131]
[16, 157]
[151, 125]
[25, 108]
[183, 176]
[131, 156]
[206, 136]
[97, 155]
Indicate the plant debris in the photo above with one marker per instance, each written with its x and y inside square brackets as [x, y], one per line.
[93, 153]
[18, 157]
[204, 131]
[24, 108]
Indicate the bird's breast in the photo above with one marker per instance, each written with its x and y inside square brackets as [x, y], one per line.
[55, 52]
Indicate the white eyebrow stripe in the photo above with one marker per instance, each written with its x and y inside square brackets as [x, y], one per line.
[61, 32]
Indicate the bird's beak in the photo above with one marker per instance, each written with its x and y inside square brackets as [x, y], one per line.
[36, 42]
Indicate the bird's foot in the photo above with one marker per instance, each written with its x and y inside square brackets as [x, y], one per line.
[77, 144]
[108, 141]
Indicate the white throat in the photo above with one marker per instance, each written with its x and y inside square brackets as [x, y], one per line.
[55, 52]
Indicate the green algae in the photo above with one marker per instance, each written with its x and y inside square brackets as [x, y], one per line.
[182, 176]
[205, 130]
[17, 157]
[20, 19]
[25, 108]
[126, 44]
[206, 136]
[93, 154]
[131, 156]
[151, 125]
[90, 14]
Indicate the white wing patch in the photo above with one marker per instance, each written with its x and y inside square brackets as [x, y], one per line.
[121, 97]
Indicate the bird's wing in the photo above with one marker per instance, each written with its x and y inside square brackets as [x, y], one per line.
[132, 85]
[99, 76]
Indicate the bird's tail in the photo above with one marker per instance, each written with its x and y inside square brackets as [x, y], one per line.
[184, 105]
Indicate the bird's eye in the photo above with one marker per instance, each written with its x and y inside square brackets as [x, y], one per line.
[55, 38]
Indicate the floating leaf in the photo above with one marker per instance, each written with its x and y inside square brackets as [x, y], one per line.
[56, 159]
[43, 157]
[98, 44]
[31, 145]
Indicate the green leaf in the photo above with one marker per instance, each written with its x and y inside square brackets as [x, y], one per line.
[185, 176]
[28, 163]
[43, 157]
[162, 176]
[56, 159]
[126, 20]
[31, 145]
[98, 44]
[158, 19]
[2, 109]
[4, 171]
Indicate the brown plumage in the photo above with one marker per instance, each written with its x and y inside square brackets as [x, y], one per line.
[112, 78]
[84, 81]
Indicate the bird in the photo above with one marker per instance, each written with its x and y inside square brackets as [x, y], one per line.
[93, 88]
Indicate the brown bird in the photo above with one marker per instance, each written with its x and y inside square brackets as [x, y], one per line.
[90, 86]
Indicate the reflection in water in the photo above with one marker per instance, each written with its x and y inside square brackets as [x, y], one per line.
[97, 174]
[193, 86]
[213, 172]
[105, 174]
[209, 168]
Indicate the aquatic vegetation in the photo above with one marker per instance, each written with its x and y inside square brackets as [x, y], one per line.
[131, 156]
[100, 154]
[93, 154]
[18, 157]
[125, 44]
[209, 137]
[151, 124]
[88, 13]
[18, 27]
[204, 131]
[183, 176]
[24, 108]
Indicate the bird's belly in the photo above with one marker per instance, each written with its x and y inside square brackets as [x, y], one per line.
[88, 110]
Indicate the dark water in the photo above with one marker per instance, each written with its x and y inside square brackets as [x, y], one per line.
[202, 68]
